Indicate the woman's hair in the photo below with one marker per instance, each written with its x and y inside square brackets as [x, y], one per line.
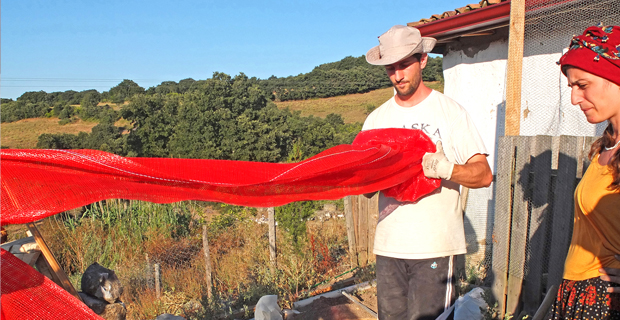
[614, 163]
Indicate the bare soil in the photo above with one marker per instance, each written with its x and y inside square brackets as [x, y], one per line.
[340, 308]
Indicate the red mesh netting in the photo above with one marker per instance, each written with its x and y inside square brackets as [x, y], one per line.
[28, 295]
[40, 183]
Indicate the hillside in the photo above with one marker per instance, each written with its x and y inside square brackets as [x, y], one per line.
[352, 107]
[23, 134]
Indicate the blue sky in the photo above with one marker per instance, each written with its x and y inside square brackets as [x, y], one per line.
[78, 45]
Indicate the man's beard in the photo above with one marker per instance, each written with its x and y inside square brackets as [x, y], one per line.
[411, 89]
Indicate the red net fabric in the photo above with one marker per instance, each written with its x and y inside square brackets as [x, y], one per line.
[39, 183]
[28, 295]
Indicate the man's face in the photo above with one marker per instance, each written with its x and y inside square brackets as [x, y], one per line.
[406, 75]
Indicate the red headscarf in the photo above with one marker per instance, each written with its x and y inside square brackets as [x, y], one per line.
[596, 51]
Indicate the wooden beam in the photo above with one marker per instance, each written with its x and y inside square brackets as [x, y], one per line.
[502, 221]
[205, 248]
[348, 214]
[515, 66]
[271, 219]
[49, 257]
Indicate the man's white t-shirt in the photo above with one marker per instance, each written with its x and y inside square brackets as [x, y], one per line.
[432, 227]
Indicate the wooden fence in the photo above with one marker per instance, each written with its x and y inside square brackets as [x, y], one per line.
[361, 214]
[536, 178]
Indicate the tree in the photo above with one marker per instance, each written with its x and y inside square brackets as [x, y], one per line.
[124, 90]
[154, 119]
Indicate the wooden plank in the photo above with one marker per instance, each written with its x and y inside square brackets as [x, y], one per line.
[515, 66]
[363, 230]
[45, 269]
[519, 224]
[29, 258]
[20, 245]
[205, 250]
[501, 224]
[49, 257]
[348, 215]
[271, 219]
[373, 218]
[563, 208]
[540, 210]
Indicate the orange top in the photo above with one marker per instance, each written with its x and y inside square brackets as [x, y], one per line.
[596, 232]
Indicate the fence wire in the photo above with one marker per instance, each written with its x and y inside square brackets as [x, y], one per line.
[546, 110]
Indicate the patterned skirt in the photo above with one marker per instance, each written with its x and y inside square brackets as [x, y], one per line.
[585, 300]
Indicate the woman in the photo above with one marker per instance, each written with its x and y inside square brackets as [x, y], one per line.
[592, 67]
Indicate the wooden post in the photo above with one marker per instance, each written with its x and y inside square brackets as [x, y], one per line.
[58, 273]
[158, 280]
[541, 168]
[205, 249]
[271, 217]
[149, 272]
[519, 224]
[373, 218]
[515, 66]
[348, 215]
[563, 208]
[362, 228]
[501, 225]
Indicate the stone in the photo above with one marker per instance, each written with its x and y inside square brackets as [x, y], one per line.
[108, 311]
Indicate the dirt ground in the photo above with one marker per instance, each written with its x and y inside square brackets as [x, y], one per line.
[340, 308]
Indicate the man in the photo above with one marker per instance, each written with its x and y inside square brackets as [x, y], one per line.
[415, 244]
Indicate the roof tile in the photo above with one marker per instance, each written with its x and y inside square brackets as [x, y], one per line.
[447, 14]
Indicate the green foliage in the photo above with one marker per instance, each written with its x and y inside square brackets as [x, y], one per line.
[24, 109]
[123, 91]
[59, 141]
[293, 216]
[228, 217]
[34, 97]
[104, 136]
[350, 75]
[119, 223]
[433, 70]
[154, 120]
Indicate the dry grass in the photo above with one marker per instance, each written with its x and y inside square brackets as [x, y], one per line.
[23, 134]
[353, 107]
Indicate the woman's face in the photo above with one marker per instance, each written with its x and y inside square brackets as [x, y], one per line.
[598, 98]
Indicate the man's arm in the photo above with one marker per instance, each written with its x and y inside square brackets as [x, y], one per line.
[475, 173]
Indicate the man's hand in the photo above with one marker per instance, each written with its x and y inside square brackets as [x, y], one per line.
[611, 275]
[436, 165]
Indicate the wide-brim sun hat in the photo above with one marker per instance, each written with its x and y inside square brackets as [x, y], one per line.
[398, 43]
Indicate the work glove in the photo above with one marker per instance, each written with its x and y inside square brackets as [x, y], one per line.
[436, 165]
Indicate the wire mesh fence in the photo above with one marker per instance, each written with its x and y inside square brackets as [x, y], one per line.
[546, 109]
[158, 253]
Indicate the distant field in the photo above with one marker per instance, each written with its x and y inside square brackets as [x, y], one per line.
[23, 134]
[353, 107]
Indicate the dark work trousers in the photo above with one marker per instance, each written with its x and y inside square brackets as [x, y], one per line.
[414, 289]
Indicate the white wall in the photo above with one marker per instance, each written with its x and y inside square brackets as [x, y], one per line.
[476, 79]
[477, 82]
[545, 101]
